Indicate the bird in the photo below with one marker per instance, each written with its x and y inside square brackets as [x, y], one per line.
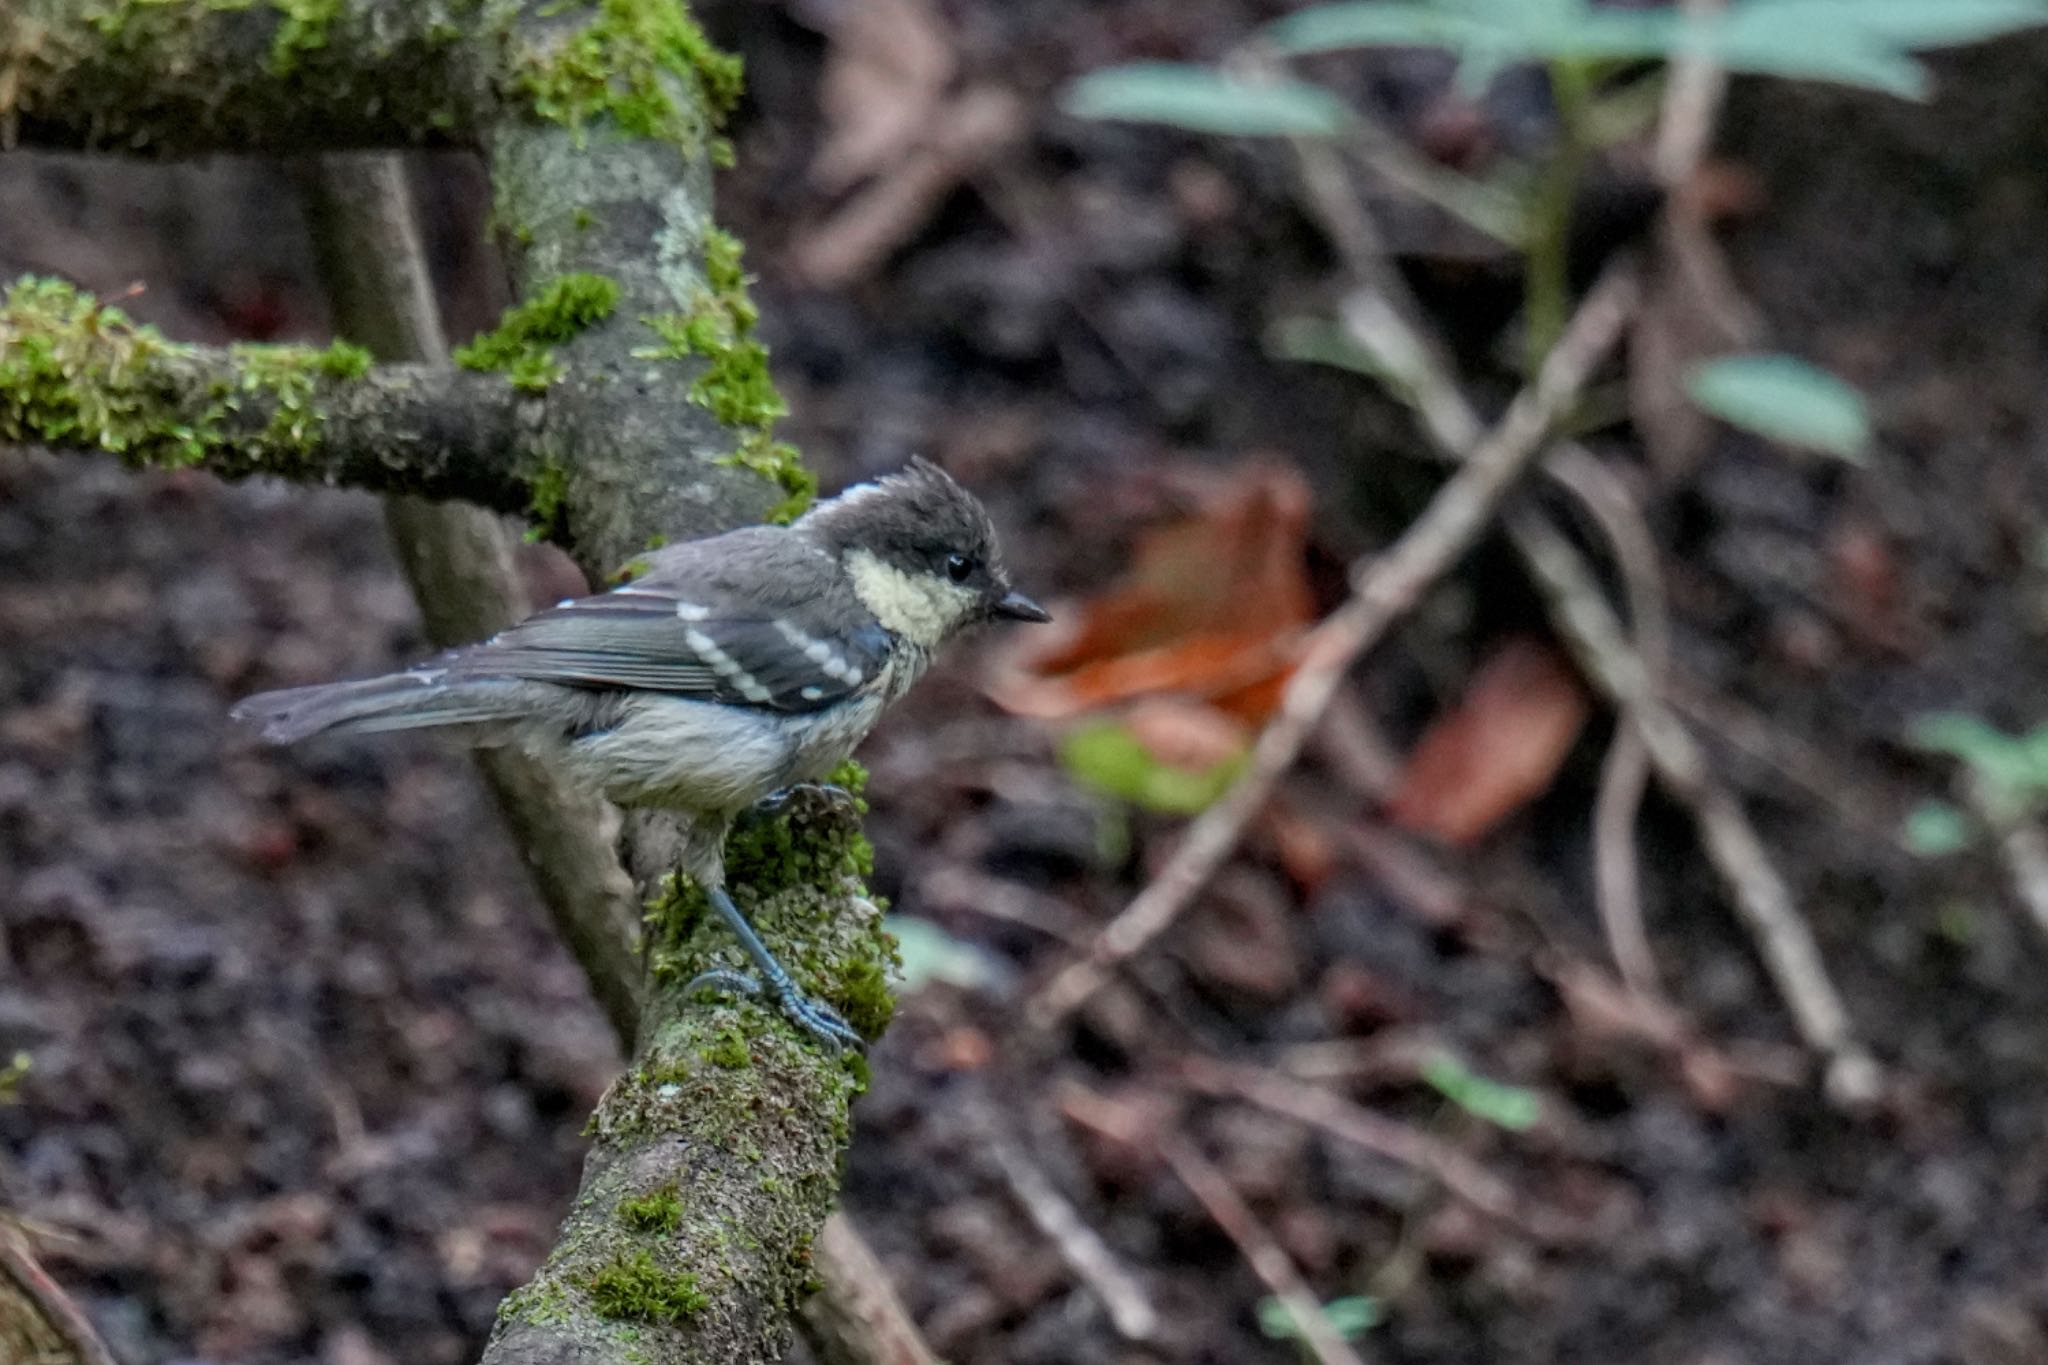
[728, 670]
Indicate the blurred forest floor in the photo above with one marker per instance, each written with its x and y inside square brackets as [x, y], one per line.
[309, 1070]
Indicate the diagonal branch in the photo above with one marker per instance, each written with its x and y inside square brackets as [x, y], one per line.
[1382, 315]
[1383, 588]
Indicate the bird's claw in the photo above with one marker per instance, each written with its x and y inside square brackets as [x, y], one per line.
[815, 1017]
[836, 799]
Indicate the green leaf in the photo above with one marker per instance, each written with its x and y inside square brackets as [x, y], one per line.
[1935, 829]
[1335, 28]
[928, 953]
[1784, 399]
[1111, 759]
[1318, 341]
[1865, 43]
[1207, 101]
[1505, 1106]
[1350, 1317]
[2011, 770]
[1835, 56]
[1907, 25]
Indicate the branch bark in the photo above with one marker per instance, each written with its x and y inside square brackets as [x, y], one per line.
[714, 1159]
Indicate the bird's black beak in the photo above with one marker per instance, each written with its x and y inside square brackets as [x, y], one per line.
[1017, 607]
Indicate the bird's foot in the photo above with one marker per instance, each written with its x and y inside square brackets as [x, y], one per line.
[815, 1017]
[804, 797]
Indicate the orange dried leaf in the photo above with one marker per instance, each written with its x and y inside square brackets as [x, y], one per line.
[1500, 747]
[1213, 608]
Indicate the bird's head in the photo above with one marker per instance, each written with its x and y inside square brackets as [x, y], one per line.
[921, 553]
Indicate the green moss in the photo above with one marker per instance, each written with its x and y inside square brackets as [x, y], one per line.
[643, 64]
[75, 372]
[779, 871]
[734, 385]
[659, 1210]
[728, 1049]
[635, 1287]
[302, 29]
[522, 345]
[547, 500]
[542, 1303]
[778, 462]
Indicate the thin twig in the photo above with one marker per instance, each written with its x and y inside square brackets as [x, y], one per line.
[2024, 851]
[37, 1318]
[2022, 848]
[857, 1318]
[458, 560]
[1267, 1259]
[1383, 588]
[1692, 100]
[1382, 316]
[1321, 1109]
[1625, 773]
[1762, 900]
[1079, 1246]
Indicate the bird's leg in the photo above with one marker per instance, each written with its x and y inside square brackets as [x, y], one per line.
[814, 1017]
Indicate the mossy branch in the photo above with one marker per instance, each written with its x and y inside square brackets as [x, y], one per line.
[646, 416]
[76, 374]
[714, 1159]
[179, 77]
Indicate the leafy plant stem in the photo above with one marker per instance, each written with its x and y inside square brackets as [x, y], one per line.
[1547, 297]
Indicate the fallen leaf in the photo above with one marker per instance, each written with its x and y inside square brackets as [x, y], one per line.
[1500, 747]
[886, 72]
[1213, 609]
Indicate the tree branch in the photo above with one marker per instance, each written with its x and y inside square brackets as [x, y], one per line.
[176, 79]
[459, 562]
[76, 374]
[637, 408]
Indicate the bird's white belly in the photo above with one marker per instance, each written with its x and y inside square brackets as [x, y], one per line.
[696, 755]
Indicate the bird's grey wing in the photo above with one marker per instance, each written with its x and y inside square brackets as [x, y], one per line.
[777, 629]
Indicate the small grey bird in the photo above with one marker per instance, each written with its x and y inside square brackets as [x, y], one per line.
[733, 668]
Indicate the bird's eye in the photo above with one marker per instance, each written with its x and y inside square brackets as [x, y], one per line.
[958, 567]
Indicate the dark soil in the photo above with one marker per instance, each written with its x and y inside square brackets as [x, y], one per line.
[309, 1069]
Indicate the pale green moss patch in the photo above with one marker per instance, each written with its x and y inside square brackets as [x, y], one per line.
[784, 873]
[75, 372]
[643, 64]
[734, 385]
[301, 30]
[522, 345]
[635, 1287]
[659, 1210]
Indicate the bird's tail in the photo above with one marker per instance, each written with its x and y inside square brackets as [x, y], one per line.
[396, 701]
